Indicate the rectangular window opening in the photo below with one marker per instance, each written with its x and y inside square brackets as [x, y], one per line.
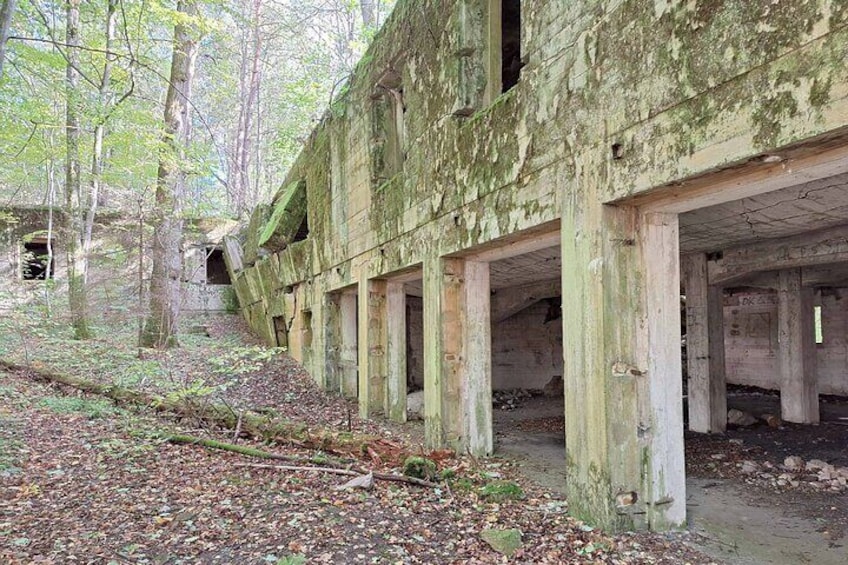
[817, 313]
[216, 268]
[511, 62]
[34, 261]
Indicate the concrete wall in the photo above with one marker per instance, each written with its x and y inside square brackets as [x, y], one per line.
[526, 351]
[752, 353]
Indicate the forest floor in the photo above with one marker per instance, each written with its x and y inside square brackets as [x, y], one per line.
[83, 480]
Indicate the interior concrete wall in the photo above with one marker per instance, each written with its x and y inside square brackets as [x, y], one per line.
[526, 351]
[415, 341]
[752, 353]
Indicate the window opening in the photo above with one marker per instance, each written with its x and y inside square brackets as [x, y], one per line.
[216, 268]
[303, 230]
[817, 313]
[511, 63]
[34, 263]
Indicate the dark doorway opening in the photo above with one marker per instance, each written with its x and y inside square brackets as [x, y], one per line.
[216, 268]
[303, 230]
[511, 62]
[34, 264]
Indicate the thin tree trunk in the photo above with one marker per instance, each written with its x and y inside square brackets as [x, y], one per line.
[369, 13]
[7, 12]
[162, 322]
[77, 262]
[99, 133]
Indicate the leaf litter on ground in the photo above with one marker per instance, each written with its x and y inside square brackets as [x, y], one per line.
[83, 482]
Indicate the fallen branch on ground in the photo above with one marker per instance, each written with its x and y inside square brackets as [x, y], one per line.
[253, 425]
[348, 472]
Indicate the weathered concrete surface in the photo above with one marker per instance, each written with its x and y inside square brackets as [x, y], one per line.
[622, 102]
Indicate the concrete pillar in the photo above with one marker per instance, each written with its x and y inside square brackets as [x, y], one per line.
[457, 352]
[622, 371]
[396, 352]
[332, 343]
[707, 390]
[349, 352]
[372, 347]
[799, 399]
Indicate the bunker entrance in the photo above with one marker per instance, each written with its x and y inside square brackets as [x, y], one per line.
[216, 268]
[36, 263]
[527, 356]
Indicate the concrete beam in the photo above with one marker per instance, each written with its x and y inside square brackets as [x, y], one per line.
[805, 250]
[707, 387]
[507, 302]
[799, 399]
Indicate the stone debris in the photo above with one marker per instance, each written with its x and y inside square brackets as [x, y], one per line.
[510, 399]
[739, 418]
[555, 387]
[772, 420]
[365, 482]
[795, 473]
[415, 405]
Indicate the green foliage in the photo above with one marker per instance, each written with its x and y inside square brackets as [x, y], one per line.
[296, 559]
[420, 468]
[241, 360]
[94, 408]
[500, 491]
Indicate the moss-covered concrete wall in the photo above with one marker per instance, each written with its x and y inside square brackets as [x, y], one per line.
[618, 100]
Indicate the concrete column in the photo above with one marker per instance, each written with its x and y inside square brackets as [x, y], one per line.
[372, 347]
[622, 371]
[349, 353]
[799, 399]
[396, 352]
[457, 351]
[332, 343]
[476, 377]
[707, 390]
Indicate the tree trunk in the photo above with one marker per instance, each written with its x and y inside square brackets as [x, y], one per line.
[249, 84]
[77, 263]
[161, 327]
[369, 13]
[7, 11]
[99, 132]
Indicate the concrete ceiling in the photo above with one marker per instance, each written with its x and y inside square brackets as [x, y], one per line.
[815, 205]
[542, 265]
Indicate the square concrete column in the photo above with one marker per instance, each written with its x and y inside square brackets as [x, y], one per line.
[332, 343]
[373, 336]
[458, 358]
[622, 371]
[349, 352]
[396, 352]
[707, 390]
[799, 398]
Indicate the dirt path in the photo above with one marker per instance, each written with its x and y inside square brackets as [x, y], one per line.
[730, 520]
[742, 530]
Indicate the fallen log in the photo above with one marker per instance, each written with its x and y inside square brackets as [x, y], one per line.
[252, 425]
[349, 472]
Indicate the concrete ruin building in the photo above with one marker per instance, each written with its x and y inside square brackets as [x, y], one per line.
[31, 254]
[508, 191]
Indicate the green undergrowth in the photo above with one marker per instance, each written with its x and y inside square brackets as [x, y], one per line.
[92, 408]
